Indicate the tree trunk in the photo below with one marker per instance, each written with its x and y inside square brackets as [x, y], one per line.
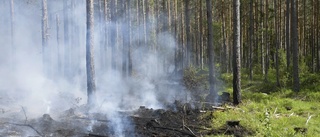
[187, 27]
[262, 39]
[225, 55]
[125, 42]
[276, 41]
[113, 34]
[267, 41]
[294, 32]
[288, 47]
[200, 35]
[91, 86]
[12, 33]
[213, 93]
[44, 35]
[251, 38]
[66, 39]
[58, 45]
[236, 54]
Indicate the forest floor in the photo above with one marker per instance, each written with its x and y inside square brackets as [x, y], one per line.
[178, 120]
[265, 111]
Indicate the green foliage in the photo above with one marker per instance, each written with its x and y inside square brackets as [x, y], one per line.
[272, 114]
[196, 81]
[311, 82]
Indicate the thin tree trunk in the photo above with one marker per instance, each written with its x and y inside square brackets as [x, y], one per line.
[236, 53]
[58, 45]
[129, 39]
[251, 38]
[213, 93]
[187, 27]
[91, 86]
[313, 38]
[262, 39]
[224, 45]
[125, 43]
[288, 47]
[66, 39]
[267, 41]
[317, 36]
[200, 35]
[13, 47]
[276, 41]
[294, 32]
[44, 35]
[113, 35]
[106, 34]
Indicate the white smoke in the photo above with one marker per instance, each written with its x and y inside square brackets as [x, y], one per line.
[24, 82]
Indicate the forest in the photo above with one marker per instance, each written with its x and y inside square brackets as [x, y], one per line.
[140, 68]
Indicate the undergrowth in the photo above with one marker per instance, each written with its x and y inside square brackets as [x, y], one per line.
[273, 111]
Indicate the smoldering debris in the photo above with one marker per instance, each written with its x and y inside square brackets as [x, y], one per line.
[145, 122]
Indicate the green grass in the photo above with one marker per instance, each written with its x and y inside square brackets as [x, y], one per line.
[267, 114]
[270, 110]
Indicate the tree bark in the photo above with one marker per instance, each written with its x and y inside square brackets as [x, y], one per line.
[58, 45]
[113, 34]
[294, 32]
[12, 33]
[44, 34]
[187, 27]
[267, 42]
[91, 86]
[276, 41]
[213, 93]
[66, 39]
[288, 47]
[251, 38]
[236, 53]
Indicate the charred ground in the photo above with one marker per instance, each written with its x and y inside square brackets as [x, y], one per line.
[180, 119]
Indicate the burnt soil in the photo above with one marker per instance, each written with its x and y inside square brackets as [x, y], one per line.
[179, 120]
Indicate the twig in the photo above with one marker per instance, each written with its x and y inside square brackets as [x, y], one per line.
[219, 108]
[189, 129]
[96, 135]
[308, 118]
[173, 129]
[99, 120]
[275, 111]
[291, 114]
[25, 115]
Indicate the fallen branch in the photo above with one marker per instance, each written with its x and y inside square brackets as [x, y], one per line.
[99, 120]
[189, 129]
[308, 118]
[177, 130]
[25, 114]
[219, 108]
[26, 125]
[96, 135]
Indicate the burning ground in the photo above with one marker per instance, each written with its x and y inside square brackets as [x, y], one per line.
[180, 119]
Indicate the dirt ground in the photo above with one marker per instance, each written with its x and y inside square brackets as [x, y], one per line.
[179, 120]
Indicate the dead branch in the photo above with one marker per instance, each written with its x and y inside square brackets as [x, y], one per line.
[26, 125]
[96, 135]
[99, 120]
[189, 129]
[25, 115]
[177, 130]
[309, 117]
[219, 108]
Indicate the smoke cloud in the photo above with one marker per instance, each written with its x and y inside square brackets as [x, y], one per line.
[54, 85]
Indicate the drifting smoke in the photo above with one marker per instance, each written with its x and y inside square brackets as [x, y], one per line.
[24, 82]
